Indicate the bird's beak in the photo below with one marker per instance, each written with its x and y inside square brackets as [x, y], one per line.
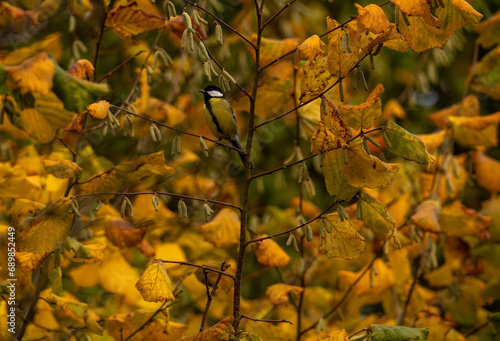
[203, 91]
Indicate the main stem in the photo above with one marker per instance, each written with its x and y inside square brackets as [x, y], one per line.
[246, 185]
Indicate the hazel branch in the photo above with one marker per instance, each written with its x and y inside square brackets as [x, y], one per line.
[175, 129]
[222, 22]
[175, 195]
[264, 320]
[346, 294]
[313, 99]
[296, 227]
[203, 267]
[277, 13]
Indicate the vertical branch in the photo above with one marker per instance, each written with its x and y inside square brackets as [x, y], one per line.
[247, 178]
[210, 295]
[98, 43]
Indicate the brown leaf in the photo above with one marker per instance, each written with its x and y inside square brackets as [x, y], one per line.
[278, 293]
[127, 21]
[99, 109]
[223, 330]
[82, 69]
[426, 216]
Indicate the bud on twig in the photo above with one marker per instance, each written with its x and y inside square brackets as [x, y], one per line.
[155, 201]
[204, 146]
[208, 211]
[218, 34]
[126, 204]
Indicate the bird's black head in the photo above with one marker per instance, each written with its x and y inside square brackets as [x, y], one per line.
[212, 91]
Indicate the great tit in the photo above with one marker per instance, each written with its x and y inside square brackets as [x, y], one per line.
[220, 118]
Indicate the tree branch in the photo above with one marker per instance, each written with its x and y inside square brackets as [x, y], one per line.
[200, 267]
[277, 13]
[266, 321]
[210, 295]
[120, 66]
[222, 22]
[159, 193]
[346, 294]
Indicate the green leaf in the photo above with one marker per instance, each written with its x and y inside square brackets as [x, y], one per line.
[4, 89]
[495, 320]
[404, 144]
[335, 180]
[76, 93]
[381, 332]
[376, 216]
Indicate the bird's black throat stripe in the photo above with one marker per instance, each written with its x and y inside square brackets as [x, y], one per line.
[214, 119]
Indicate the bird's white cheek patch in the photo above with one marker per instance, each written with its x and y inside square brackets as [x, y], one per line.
[215, 93]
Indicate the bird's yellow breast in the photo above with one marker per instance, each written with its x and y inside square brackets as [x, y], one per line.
[220, 118]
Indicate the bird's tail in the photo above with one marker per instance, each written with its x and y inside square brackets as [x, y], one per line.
[236, 142]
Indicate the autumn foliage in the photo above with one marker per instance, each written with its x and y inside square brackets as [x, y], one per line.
[372, 211]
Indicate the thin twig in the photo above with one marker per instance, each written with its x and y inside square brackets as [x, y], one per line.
[418, 274]
[294, 228]
[248, 41]
[120, 66]
[175, 129]
[200, 267]
[264, 320]
[277, 13]
[98, 44]
[313, 99]
[148, 321]
[159, 193]
[346, 294]
[219, 65]
[310, 156]
[210, 295]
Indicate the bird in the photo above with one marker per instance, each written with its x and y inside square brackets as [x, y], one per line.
[221, 119]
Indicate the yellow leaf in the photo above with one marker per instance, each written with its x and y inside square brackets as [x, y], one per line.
[82, 69]
[96, 254]
[316, 79]
[24, 209]
[172, 252]
[99, 109]
[29, 261]
[434, 140]
[487, 171]
[339, 335]
[309, 49]
[164, 112]
[322, 140]
[413, 7]
[33, 122]
[273, 48]
[61, 169]
[127, 21]
[278, 293]
[33, 75]
[270, 254]
[363, 115]
[488, 31]
[34, 238]
[339, 62]
[220, 331]
[393, 109]
[424, 32]
[224, 229]
[373, 18]
[154, 284]
[51, 42]
[426, 216]
[367, 170]
[344, 241]
[459, 221]
[476, 131]
[381, 282]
